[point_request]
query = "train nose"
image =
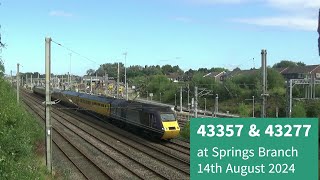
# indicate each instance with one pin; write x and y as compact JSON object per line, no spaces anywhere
{"x":171,"y":129}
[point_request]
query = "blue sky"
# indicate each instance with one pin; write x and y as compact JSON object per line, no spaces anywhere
{"x":188,"y":33}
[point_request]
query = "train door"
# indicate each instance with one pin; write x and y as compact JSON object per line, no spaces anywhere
{"x":152,"y":120}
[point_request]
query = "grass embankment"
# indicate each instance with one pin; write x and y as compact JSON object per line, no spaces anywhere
{"x":20,"y":139}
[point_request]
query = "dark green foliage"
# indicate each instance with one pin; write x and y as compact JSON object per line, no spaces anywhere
{"x":284,"y":64}
{"x":244,"y":111}
{"x":185,"y":132}
{"x":298,"y":110}
{"x":275,"y":79}
{"x":18,"y":134}
{"x":312,"y":108}
{"x":2,"y":69}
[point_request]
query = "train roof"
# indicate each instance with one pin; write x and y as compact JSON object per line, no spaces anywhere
{"x":89,"y":96}
{"x":115,"y":102}
{"x":139,"y":105}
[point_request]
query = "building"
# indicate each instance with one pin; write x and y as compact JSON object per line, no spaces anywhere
{"x":218,"y":76}
{"x":301,"y":72}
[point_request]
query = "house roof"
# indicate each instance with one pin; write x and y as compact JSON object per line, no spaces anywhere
{"x":214,"y":74}
{"x":300,"y":69}
{"x":241,"y":72}
{"x":280,"y":70}
{"x":173,"y":75}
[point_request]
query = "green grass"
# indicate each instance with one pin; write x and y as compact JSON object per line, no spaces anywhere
{"x":20,"y":136}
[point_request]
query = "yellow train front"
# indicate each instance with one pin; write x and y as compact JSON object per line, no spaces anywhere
{"x":151,"y":120}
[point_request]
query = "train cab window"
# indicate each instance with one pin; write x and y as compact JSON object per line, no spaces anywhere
{"x":167,"y":117}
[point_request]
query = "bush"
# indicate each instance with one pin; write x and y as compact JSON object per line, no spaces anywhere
{"x":185,"y":132}
{"x":298,"y":110}
{"x":312,"y":108}
{"x":243,"y":110}
{"x":19,"y":133}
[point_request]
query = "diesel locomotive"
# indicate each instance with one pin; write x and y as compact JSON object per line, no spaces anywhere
{"x":152,"y":120}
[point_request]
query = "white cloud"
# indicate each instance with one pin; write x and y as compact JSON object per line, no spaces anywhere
{"x":294,"y":4}
{"x":60,"y":14}
{"x":214,"y":2}
{"x":293,"y":14}
{"x":300,"y":23}
{"x":284,"y":4}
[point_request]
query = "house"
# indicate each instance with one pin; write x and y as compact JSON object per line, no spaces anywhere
{"x":216,"y":75}
{"x":237,"y":72}
{"x":297,"y":72}
{"x":301,"y":72}
{"x":280,"y":70}
{"x":174,"y":77}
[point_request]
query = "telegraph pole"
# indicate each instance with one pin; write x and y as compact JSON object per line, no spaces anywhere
{"x":290,"y":99}
{"x":91,"y":85}
{"x":70,"y":68}
{"x":180,"y":98}
{"x":18,"y":80}
{"x":253,"y":106}
{"x":188,"y":99}
{"x":125,"y":74}
{"x":38,"y":79}
{"x":48,"y":105}
{"x":216,"y":105}
{"x":205,"y":106}
{"x":31,"y":81}
{"x":264,"y":81}
{"x":118,"y":80}
{"x":11,"y":78}
{"x":69,"y":79}
{"x":175,"y":99}
{"x":195,"y":101}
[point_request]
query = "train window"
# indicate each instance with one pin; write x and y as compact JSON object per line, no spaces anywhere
{"x":167,"y":117}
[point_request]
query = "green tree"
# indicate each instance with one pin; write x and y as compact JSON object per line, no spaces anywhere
{"x":312,"y":108}
{"x":301,"y":63}
{"x":243,"y":110}
{"x":287,"y":63}
{"x":2,"y":69}
{"x":90,"y":72}
{"x":275,"y":79}
{"x":298,"y":110}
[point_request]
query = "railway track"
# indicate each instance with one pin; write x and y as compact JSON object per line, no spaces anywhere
{"x":82,"y":163}
{"x":171,"y":158}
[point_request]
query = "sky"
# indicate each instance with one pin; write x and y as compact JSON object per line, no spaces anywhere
{"x":188,"y":33}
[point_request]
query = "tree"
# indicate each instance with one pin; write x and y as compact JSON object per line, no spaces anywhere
{"x":275,"y":79}
{"x":298,"y":110}
{"x":301,"y":63}
{"x":312,"y":108}
{"x":243,"y":110}
{"x":90,"y":72}
{"x":2,"y":69}
{"x":218,"y":69}
{"x":287,"y":63}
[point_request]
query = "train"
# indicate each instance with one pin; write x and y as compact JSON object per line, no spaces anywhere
{"x":154,"y":121}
